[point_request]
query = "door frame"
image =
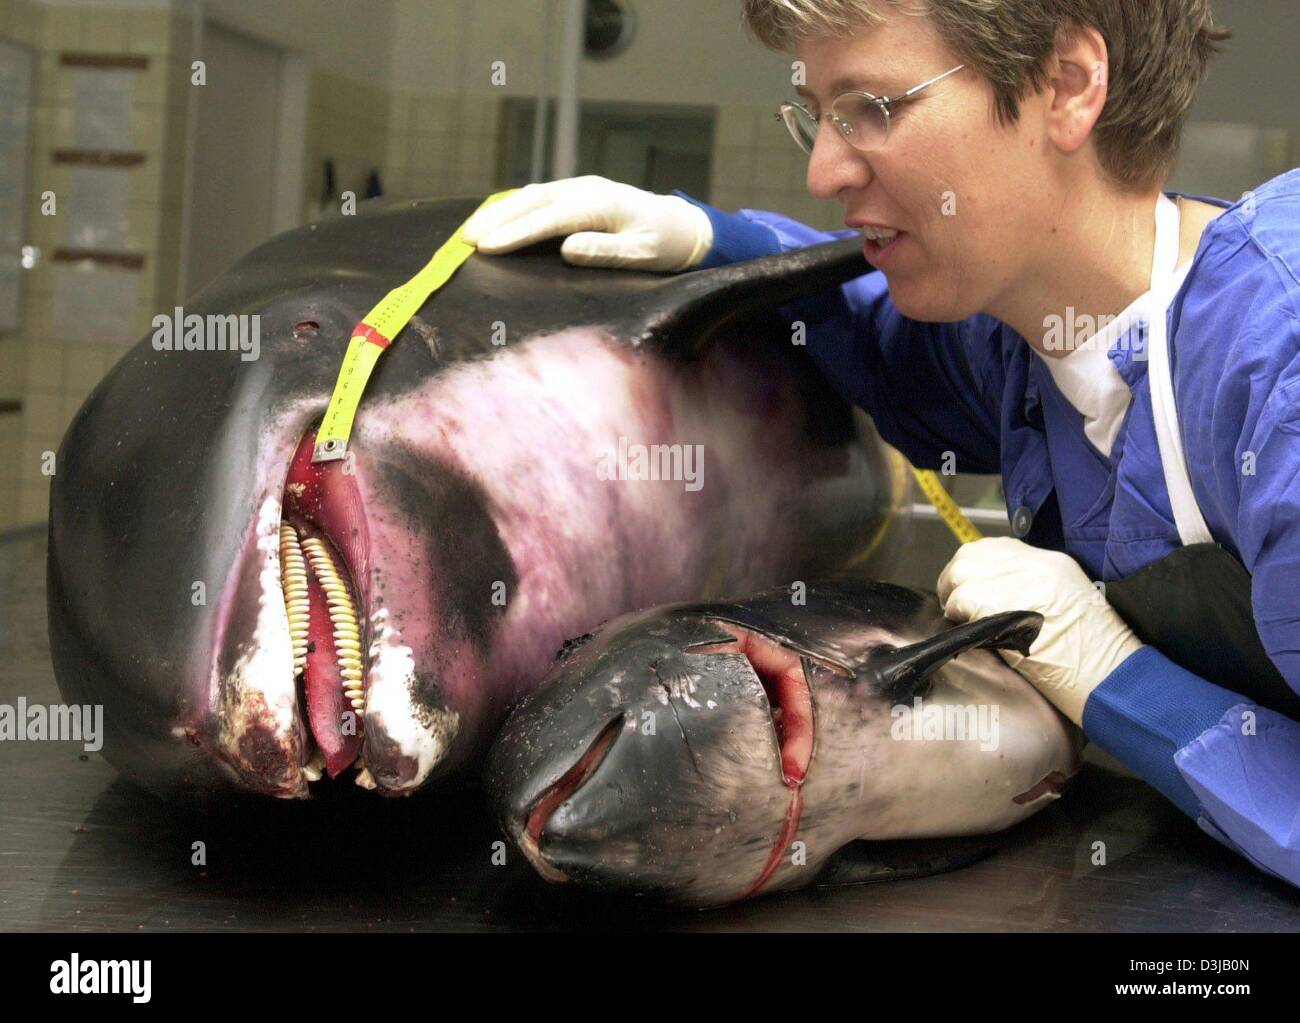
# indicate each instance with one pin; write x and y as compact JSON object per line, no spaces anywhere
{"x":288,"y":196}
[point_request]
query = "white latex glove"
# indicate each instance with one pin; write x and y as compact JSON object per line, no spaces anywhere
{"x":1083,"y":638}
{"x":607,"y":223}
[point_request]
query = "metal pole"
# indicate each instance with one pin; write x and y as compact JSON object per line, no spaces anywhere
{"x":566,"y":121}
{"x":537,"y":167}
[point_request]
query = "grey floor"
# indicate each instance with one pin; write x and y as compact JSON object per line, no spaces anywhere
{"x":82,"y":850}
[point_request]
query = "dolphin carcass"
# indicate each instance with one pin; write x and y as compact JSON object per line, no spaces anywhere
{"x":543,"y":448}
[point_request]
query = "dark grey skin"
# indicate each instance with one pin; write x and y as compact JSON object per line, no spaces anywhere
{"x":649,"y":761}
{"x":475,"y":472}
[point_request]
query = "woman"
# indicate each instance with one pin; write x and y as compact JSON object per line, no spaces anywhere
{"x":1129,"y":361}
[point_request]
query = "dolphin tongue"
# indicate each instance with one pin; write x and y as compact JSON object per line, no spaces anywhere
{"x":337,"y":735}
{"x":311,"y":508}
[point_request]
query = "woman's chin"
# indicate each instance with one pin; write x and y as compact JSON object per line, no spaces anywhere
{"x":919,"y":303}
{"x":928,"y":299}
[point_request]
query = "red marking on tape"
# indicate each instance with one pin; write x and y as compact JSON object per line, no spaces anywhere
{"x":370,"y":334}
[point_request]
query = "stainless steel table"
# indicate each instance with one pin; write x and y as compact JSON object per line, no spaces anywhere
{"x":82,"y":850}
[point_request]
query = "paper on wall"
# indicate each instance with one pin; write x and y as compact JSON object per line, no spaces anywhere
{"x":101,"y":104}
{"x":92,"y":302}
{"x":97,"y":214}
{"x":15,"y":119}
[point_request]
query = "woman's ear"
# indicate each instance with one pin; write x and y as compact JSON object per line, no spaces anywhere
{"x":1078,"y":73}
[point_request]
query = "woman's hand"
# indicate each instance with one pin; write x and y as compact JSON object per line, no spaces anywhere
{"x":1083,"y":638}
{"x":607,"y":223}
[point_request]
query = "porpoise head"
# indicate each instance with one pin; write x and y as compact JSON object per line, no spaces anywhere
{"x":706,"y":753}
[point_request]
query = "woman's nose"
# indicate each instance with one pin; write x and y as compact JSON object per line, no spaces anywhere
{"x":834,"y":165}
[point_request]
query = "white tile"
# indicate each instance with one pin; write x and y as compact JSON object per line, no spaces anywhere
{"x":733,"y":167}
{"x":148,"y":31}
{"x":104,"y":31}
{"x":43,"y":414}
{"x":33,"y":503}
{"x":63,"y":26}
{"x":772,"y":169}
{"x":734,"y":127}
{"x":44,"y":366}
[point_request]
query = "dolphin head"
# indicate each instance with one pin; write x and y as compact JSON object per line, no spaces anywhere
{"x":705,"y":753}
{"x":190,"y":533}
{"x":167,"y":564}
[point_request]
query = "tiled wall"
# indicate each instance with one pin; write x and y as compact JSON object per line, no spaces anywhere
{"x":20,"y":22}
{"x":53,"y":375}
{"x":347,"y":122}
{"x":442,"y":145}
{"x":449,"y":145}
{"x":757,"y":164}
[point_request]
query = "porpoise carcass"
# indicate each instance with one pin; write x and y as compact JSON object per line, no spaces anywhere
{"x":703,"y":753}
{"x":542,"y":448}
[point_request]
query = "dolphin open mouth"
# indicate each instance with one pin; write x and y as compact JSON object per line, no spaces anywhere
{"x":570,"y":782}
{"x":323,"y":545}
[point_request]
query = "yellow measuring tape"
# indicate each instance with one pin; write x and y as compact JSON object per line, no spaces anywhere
{"x":377,"y":331}
{"x":962,"y":527}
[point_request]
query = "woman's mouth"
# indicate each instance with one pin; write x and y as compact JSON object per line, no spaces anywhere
{"x":880,"y":243}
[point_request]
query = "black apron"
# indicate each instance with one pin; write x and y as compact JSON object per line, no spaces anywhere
{"x":1194,"y":607}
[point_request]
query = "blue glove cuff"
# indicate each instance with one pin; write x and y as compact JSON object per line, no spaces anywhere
{"x":735,"y":238}
{"x":1148,"y":709}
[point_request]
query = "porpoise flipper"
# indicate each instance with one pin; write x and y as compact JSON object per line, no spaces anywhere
{"x":869,"y":862}
{"x":842,"y":623}
{"x":900,"y":670}
{"x":684,"y":312}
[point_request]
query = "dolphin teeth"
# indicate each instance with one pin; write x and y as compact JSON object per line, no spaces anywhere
{"x":293,"y":580}
{"x":343,"y":615}
{"x":315,"y":766}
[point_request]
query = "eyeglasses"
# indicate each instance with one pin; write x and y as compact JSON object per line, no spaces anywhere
{"x":863,"y":119}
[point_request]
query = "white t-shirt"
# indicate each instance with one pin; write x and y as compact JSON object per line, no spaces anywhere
{"x":1090,"y":381}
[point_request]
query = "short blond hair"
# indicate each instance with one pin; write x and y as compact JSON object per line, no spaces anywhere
{"x":1159,"y":51}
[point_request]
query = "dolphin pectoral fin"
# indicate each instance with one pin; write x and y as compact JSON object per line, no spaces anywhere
{"x":900,"y":670}
{"x":867,"y":862}
{"x":686,"y":311}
